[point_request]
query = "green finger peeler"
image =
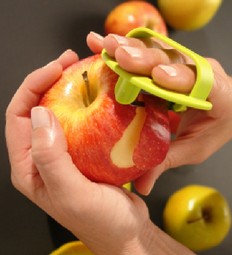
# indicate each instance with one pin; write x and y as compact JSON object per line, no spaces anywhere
{"x":129,"y":85}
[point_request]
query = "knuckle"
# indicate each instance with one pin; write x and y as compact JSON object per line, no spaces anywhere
{"x":17,"y":182}
{"x":14,"y":182}
{"x":213,"y":62}
{"x":200,"y":156}
{"x":43,"y":155}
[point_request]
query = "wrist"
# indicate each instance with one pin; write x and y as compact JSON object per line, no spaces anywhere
{"x":153,"y":241}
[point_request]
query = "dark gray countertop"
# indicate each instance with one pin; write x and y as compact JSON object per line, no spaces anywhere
{"x":35,"y":32}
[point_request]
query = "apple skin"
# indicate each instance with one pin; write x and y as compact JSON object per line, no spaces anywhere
{"x":72,"y":247}
{"x":174,"y":121}
{"x":93,"y":131}
{"x":132,"y":14}
{"x":197,"y":216}
{"x":188,"y":17}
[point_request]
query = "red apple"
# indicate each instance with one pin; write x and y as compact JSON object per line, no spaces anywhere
{"x":174,"y":121}
{"x":108,"y":142}
{"x":132,"y":14}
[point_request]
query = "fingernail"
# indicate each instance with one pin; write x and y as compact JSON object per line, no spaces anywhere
{"x":65,"y":52}
{"x":50,"y":63}
{"x":132,"y":51}
{"x":122,"y":40}
{"x":96,"y":35}
{"x":62,"y":55}
{"x":169,"y":70}
{"x":40,"y":117}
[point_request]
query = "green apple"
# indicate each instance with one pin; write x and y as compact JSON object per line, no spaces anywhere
{"x":127,"y":186}
{"x":72,"y":248}
{"x":197,"y":216}
{"x":188,"y":15}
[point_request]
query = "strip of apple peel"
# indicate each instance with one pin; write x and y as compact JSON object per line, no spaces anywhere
{"x":122,"y":152}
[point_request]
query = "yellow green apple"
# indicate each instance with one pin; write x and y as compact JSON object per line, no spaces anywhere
{"x":108,"y":142}
{"x":72,"y":248}
{"x":197,"y":216}
{"x":127,"y":186}
{"x":188,"y":15}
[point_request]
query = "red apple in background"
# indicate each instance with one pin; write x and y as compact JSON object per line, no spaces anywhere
{"x":108,"y":142}
{"x":132,"y":14}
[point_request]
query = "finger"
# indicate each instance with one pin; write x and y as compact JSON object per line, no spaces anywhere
{"x":50,"y":155}
{"x":140,"y":60}
{"x":221,"y":87}
{"x":95,"y":42}
{"x":67,"y":58}
{"x":36,"y":83}
{"x":18,"y":124}
{"x":157,"y":63}
{"x":112,"y":41}
{"x":180,"y":153}
{"x":145,"y":183}
{"x":175,"y":77}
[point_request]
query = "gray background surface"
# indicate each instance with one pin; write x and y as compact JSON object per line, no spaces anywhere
{"x":32,"y":33}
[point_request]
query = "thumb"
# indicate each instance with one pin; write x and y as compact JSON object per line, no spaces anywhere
{"x":50,"y":153}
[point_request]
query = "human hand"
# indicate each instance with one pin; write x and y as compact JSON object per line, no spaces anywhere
{"x":109,"y":220}
{"x":200,"y":133}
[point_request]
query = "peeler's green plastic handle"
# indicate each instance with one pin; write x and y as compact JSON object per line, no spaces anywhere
{"x":129,"y":85}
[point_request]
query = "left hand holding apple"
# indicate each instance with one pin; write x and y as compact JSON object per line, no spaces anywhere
{"x":42,"y":170}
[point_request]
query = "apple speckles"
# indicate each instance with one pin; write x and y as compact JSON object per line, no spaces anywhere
{"x":108,"y":142}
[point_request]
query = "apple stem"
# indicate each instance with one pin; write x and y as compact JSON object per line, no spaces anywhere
{"x":86,"y":80}
{"x":206,"y":216}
